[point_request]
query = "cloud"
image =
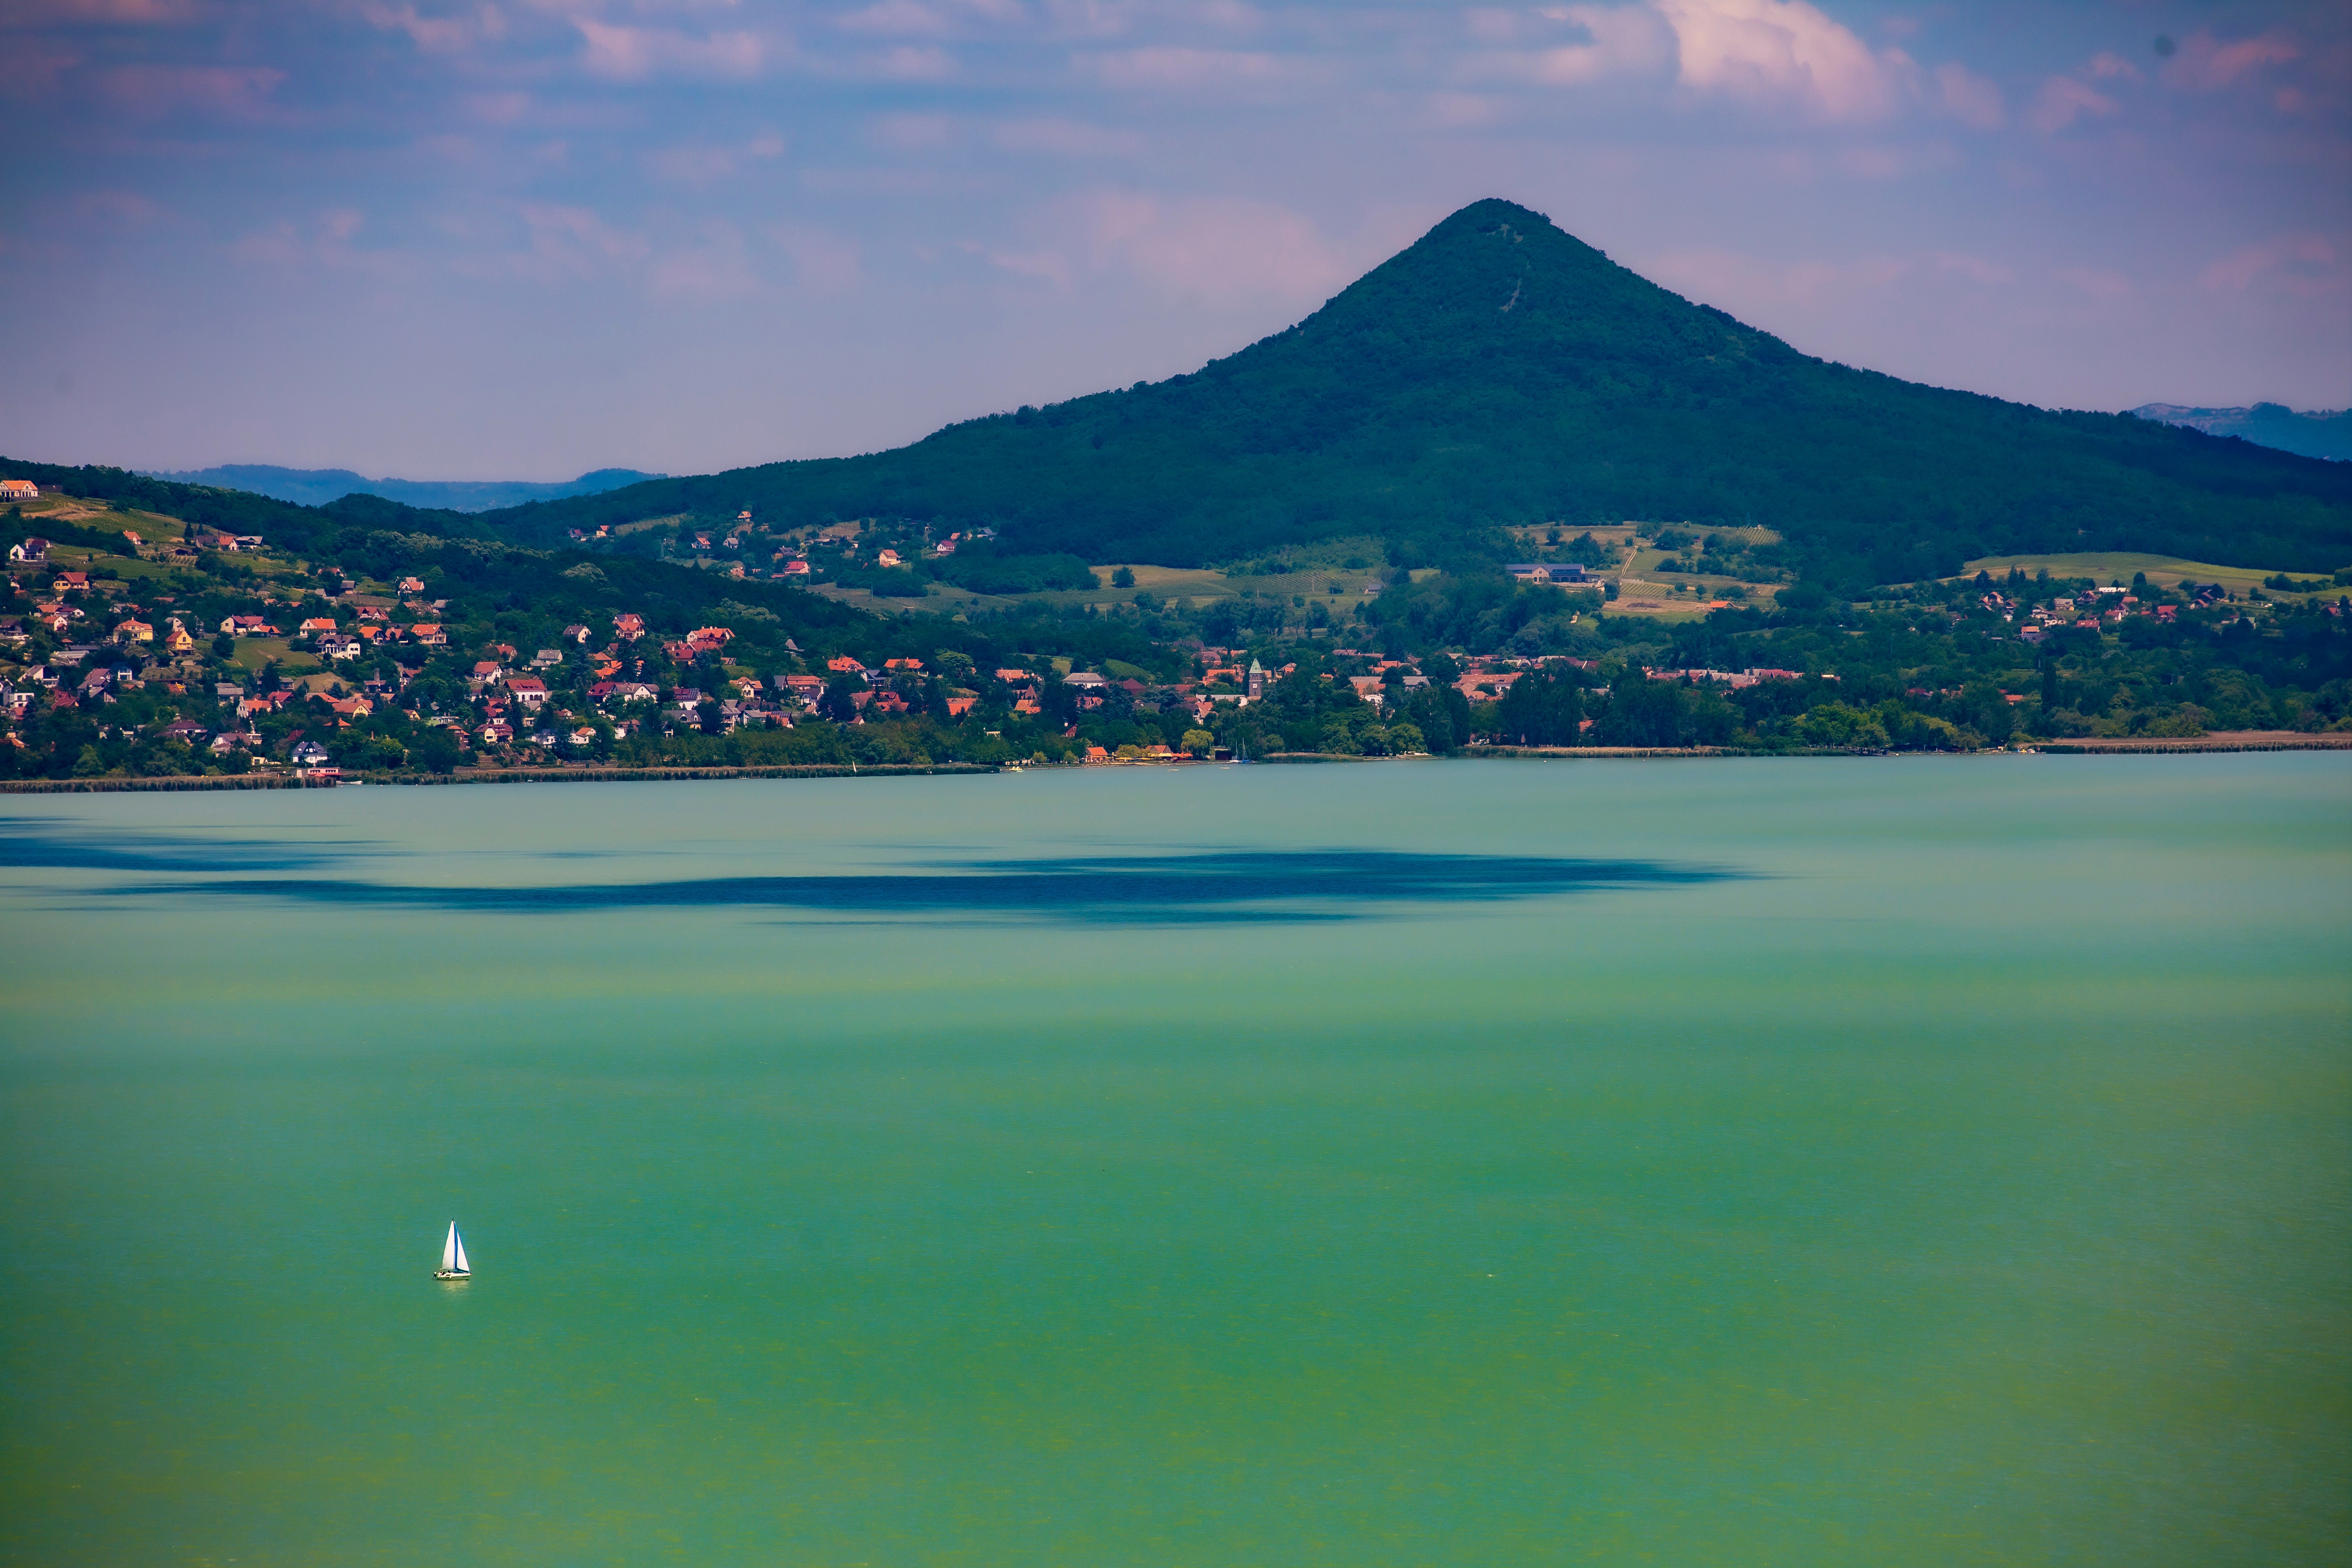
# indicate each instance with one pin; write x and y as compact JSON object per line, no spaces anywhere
{"x":124,"y":210}
{"x":1783,"y":52}
{"x":574,"y":242}
{"x":1976,"y":269}
{"x":1067,"y":138}
{"x":2101,"y":283}
{"x":713,"y":270}
{"x":228,"y":92}
{"x":1968,"y":98}
{"x":31,"y":14}
{"x":913,"y":131}
{"x":2061,"y":101}
{"x":2205,"y":64}
{"x":633,"y":53}
{"x":324,"y":241}
{"x":1608,"y":41}
{"x":909,"y":63}
{"x":902,"y":18}
{"x":1046,"y":266}
{"x":1219,"y":250}
{"x":913,"y":19}
{"x":1180,"y":69}
{"x":498,"y":108}
{"x":439,"y":35}
{"x":2106,"y":64}
{"x":823,"y":259}
{"x":1752,"y":282}
{"x":704,"y":165}
{"x":2299,"y":264}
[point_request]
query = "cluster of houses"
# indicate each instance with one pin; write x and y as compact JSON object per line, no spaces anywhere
{"x":2101,"y":609}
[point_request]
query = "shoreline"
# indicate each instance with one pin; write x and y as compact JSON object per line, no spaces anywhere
{"x":2231,"y":740}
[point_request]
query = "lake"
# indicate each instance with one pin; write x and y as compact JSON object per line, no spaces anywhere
{"x":1804,"y":1162}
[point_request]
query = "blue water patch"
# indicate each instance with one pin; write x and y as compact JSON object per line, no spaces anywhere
{"x":38,"y":844}
{"x":1220,"y":886}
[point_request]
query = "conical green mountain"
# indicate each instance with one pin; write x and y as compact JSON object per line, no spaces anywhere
{"x":1499,"y":370}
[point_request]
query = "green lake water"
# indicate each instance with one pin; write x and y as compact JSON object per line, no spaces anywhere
{"x":1826,"y":1162}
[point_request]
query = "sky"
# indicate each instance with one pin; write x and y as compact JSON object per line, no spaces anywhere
{"x":523,"y":238}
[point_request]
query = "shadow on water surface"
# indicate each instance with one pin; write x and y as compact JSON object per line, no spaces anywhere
{"x":1214,"y":886}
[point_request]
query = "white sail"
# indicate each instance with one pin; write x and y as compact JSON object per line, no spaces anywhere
{"x":459,"y":1242}
{"x":451,"y":1251}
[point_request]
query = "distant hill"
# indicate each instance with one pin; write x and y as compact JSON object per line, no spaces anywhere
{"x":317,"y":487}
{"x":1499,"y":370}
{"x":2326,"y":433}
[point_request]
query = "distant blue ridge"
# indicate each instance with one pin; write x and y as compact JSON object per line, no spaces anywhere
{"x":317,"y":487}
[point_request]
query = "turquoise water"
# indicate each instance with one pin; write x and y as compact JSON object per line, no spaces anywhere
{"x":1901,"y":1161}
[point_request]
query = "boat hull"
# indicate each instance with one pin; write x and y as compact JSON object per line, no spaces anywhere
{"x":451,"y":1274}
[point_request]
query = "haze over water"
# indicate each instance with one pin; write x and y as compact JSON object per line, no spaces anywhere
{"x":1931,"y":1161}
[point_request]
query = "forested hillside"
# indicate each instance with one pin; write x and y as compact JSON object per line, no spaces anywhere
{"x":1501,"y":372}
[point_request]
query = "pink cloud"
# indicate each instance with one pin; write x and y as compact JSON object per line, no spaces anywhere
{"x":126,"y":208}
{"x":2063,"y":100}
{"x":1180,"y":69}
{"x":2099,"y":282}
{"x":1968,"y":98}
{"x":2302,"y":264}
{"x":2205,"y":64}
{"x":633,"y":53}
{"x":437,"y":35}
{"x":1222,"y":250}
{"x":225,"y":91}
{"x":1784,"y":51}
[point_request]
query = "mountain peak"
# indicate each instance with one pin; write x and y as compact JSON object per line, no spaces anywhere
{"x":1500,"y":371}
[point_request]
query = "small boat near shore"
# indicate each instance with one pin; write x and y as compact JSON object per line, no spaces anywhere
{"x":453,"y":1257}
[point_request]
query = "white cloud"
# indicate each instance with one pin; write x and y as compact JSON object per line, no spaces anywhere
{"x":2101,"y":283}
{"x":229,"y":92}
{"x":574,"y":242}
{"x":2063,"y":100}
{"x":1067,"y":138}
{"x":1976,"y":269}
{"x":705,"y":164}
{"x":324,"y":241}
{"x":911,"y":62}
{"x":2302,"y":264}
{"x":1219,"y":250}
{"x":2206,"y":64}
{"x":1174,"y":69}
{"x":1571,"y":45}
{"x":1741,"y":283}
{"x":823,"y":259}
{"x":913,"y":131}
{"x":1784,"y":51}
{"x":439,"y":35}
{"x":899,"y":18}
{"x":632,"y":54}
{"x":1968,"y":98}
{"x":714,"y":269}
{"x":1045,"y":266}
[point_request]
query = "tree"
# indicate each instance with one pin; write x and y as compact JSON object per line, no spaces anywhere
{"x":1199,"y":743}
{"x":1123,"y":578}
{"x":1541,"y":709}
{"x":435,"y":751}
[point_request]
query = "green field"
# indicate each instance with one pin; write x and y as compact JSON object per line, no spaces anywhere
{"x":252,"y":653}
{"x":2119,"y":565}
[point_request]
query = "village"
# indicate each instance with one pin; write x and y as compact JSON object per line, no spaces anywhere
{"x":207,"y":651}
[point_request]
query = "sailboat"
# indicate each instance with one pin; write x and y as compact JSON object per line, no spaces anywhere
{"x":453,"y":1257}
